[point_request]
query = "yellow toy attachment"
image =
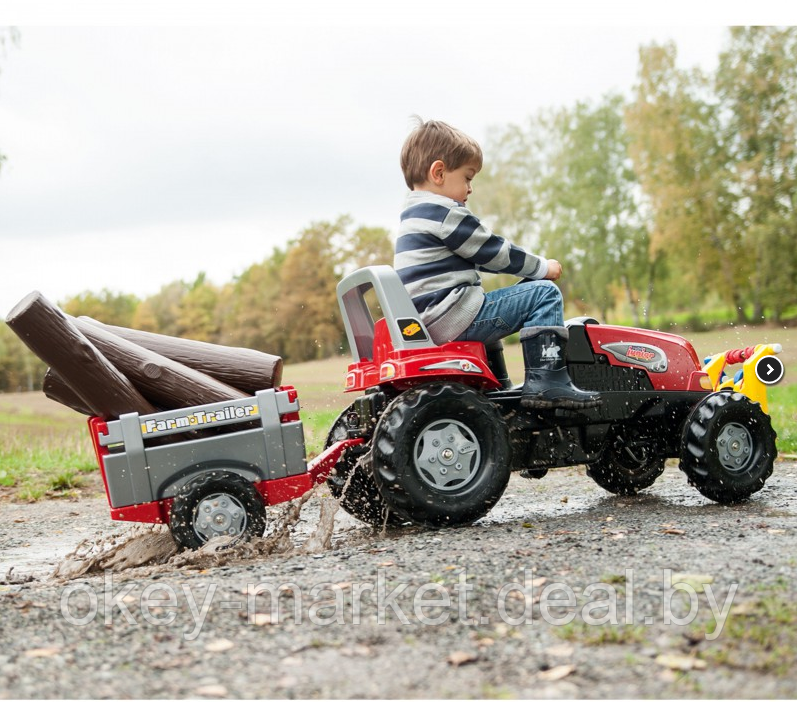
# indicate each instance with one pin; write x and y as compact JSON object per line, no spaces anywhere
{"x":745,"y":381}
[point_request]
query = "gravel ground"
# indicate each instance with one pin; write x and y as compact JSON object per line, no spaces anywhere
{"x":348,"y":621}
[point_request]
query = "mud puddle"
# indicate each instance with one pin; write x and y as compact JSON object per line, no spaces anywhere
{"x":311,"y":524}
{"x":77,"y":539}
{"x":303,"y":526}
{"x":35,"y":537}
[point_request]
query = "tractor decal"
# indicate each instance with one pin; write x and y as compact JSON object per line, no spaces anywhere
{"x":650,"y":357}
{"x":198,"y":418}
{"x":411,"y":330}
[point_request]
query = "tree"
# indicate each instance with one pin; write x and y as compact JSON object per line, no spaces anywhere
{"x":20,"y":369}
{"x":507,"y":189}
{"x":160,"y":313}
{"x":307,"y":309}
{"x":590,"y":199}
{"x":196,"y":312}
{"x":683,"y":167}
{"x":562,"y":185}
{"x":106,"y":306}
{"x":756,"y":82}
{"x":507,"y":192}
{"x":365,"y":246}
{"x":249,"y":306}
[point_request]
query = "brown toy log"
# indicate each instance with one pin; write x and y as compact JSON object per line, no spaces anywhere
{"x":161,"y":380}
{"x":47,"y":331}
{"x":56,"y":388}
{"x":246,"y":369}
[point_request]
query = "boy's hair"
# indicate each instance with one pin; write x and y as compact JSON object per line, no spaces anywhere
{"x":432,"y":141}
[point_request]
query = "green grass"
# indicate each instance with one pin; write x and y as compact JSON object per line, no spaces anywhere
{"x":598,"y":635}
{"x":321,"y":396}
{"x":759,"y":634}
{"x":54,"y":463}
{"x":317,"y":424}
{"x":689,"y":321}
{"x":782,"y":401}
{"x":44,"y":447}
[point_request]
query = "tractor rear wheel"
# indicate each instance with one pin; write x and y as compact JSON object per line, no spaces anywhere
{"x":728,"y":447}
{"x":441,"y":455}
{"x":628,"y":463}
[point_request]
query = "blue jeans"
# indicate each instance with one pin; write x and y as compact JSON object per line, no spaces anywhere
{"x":531,"y":303}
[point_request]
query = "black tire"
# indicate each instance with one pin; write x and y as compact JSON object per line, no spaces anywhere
{"x":352,"y":481}
{"x":412,"y":472}
{"x":236,"y":507}
{"x":628,"y":463}
{"x":728,"y":447}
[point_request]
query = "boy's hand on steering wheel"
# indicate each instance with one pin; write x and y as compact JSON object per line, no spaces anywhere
{"x":554,"y":269}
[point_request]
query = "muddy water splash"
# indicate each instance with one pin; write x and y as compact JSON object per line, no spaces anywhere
{"x":149,"y":549}
{"x":142,"y":545}
{"x":321,"y":539}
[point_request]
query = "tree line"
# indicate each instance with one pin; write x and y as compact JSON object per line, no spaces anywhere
{"x":284,"y":305}
{"x":678,"y":196}
{"x":682,"y":195}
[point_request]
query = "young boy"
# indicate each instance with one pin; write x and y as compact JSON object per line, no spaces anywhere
{"x":441,"y":248}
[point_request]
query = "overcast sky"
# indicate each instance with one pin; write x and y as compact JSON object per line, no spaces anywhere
{"x":138,"y":155}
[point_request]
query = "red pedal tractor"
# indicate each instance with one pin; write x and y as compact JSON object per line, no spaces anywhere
{"x":442,"y":434}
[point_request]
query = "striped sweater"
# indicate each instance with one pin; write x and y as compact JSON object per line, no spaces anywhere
{"x":440,"y":249}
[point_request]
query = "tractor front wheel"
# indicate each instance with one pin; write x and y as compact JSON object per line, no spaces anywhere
{"x":441,"y":455}
{"x":728,"y":447}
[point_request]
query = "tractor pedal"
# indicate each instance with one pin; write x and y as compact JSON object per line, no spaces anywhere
{"x":533,"y":473}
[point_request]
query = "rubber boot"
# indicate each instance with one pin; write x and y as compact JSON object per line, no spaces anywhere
{"x":548,"y":383}
{"x":497,"y":363}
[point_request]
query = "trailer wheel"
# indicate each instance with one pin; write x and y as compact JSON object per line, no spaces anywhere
{"x":728,"y":447}
{"x":441,"y":455}
{"x":352,"y":481}
{"x":628,"y":463}
{"x":216,"y":503}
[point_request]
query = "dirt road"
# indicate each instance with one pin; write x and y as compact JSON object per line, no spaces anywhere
{"x":562,"y":591}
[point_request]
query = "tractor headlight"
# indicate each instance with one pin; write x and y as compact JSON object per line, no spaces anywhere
{"x":387,"y":371}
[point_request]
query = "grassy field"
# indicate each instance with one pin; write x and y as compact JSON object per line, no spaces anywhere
{"x":45,"y":448}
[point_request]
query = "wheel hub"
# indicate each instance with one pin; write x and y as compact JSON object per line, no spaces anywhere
{"x":219,"y":514}
{"x":447,"y":455}
{"x":735,"y":447}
